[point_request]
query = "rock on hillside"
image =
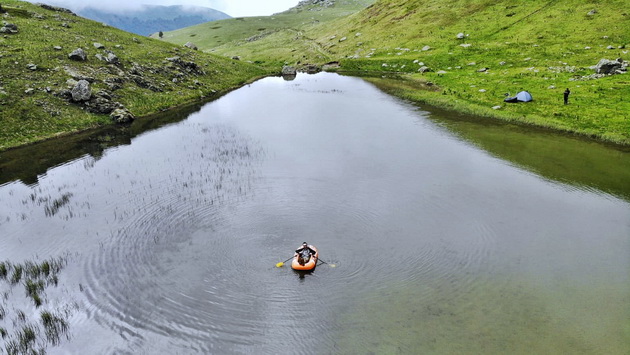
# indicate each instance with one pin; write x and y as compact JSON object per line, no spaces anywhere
{"x":60,"y":72}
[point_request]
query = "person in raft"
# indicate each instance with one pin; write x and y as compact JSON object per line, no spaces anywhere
{"x":304,"y":253}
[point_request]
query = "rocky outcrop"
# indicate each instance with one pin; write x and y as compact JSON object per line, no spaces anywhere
{"x":78,"y":55}
{"x":314,"y":3}
{"x":607,"y":66}
{"x":189,"y":67}
{"x":112,"y":58}
{"x":9,"y":28}
{"x":56,"y":9}
{"x":81,"y":91}
{"x":289,"y":70}
{"x":311,"y":68}
{"x":102,"y":103}
{"x":191,"y":45}
{"x":122,"y":115}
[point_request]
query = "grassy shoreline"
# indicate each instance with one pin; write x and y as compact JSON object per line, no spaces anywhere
{"x":417,"y":91}
{"x":467,"y":55}
{"x":149,"y":115}
{"x":147,"y":76}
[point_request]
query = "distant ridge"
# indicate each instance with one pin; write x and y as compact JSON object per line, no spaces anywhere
{"x":154,"y":18}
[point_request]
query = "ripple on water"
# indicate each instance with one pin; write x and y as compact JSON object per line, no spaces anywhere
{"x":145,"y":276}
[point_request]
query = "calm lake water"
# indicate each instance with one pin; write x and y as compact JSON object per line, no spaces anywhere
{"x":448,"y":235}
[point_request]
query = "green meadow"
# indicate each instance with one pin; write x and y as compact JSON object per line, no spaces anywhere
{"x":543,"y":47}
{"x":31,"y":108}
{"x":268,"y":40}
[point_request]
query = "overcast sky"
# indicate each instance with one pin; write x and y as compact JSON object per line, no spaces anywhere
{"x":234,"y":8}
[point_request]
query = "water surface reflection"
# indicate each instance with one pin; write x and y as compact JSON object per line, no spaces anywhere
{"x":440,"y":246}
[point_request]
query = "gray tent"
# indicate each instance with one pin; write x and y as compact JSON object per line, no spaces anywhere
{"x":522,"y":96}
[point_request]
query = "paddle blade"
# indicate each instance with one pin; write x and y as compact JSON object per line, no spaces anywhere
{"x":280,"y":264}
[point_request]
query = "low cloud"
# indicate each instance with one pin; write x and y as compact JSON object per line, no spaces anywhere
{"x":235,"y":8}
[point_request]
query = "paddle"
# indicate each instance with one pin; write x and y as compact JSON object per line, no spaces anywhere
{"x":331,"y":265}
{"x":280,"y":264}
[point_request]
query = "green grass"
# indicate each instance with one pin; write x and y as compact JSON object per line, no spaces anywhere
{"x":537,"y":45}
{"x":31,"y":110}
{"x":267,"y":40}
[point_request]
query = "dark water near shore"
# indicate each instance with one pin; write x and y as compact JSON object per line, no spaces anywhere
{"x":449,"y":235}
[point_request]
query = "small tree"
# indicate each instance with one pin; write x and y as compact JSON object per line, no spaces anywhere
{"x":161,"y":34}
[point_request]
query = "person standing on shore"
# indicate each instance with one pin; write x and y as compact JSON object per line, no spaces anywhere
{"x":566,"y":96}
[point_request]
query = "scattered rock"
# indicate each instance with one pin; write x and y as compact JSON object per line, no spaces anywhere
{"x":78,"y":54}
{"x":607,"y":66}
{"x":342,"y":39}
{"x":9,"y":28}
{"x":81,"y":91}
{"x":236,"y":57}
{"x":311,"y":68}
{"x":592,"y":12}
{"x":465,"y":45}
{"x":70,"y":83}
{"x":57,"y":48}
{"x":29,"y":91}
{"x":496,"y":107}
{"x":610,"y":47}
{"x":426,"y":48}
{"x":191,"y":45}
{"x":482,"y":90}
{"x":461,"y":35}
{"x":56,"y":9}
{"x":331,"y":65}
{"x":101,"y":103}
{"x":31,"y":66}
{"x":76,"y":75}
{"x":112,"y":58}
{"x":121,"y":115}
{"x":98,"y":45}
{"x":483,"y":70}
{"x":424,"y":69}
{"x":288,"y":70}
{"x":189,"y":67}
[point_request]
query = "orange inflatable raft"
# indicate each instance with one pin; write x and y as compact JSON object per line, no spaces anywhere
{"x":310,"y":265}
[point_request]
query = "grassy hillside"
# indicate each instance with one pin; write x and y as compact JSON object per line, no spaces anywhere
{"x":507,"y":46}
{"x":269,"y":40}
{"x":149,"y":76}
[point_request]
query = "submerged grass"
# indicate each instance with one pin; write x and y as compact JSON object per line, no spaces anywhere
{"x":20,"y":335}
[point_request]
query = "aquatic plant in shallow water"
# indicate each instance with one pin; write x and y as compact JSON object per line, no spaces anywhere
{"x":20,"y":334}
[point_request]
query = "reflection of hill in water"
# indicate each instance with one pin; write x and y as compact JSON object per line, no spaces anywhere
{"x":558,"y":157}
{"x":29,"y":162}
{"x":563,"y":158}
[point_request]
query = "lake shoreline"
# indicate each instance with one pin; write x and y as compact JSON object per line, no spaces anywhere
{"x":416,"y":91}
{"x":423,"y":92}
{"x":142,"y":117}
